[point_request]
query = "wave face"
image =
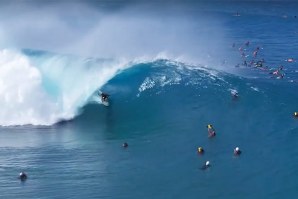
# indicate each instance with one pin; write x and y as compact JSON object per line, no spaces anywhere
{"x":172,"y":93}
{"x":42,"y":88}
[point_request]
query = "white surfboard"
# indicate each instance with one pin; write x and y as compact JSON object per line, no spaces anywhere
{"x":105,"y":103}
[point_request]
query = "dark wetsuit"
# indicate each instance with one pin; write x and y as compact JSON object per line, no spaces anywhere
{"x":125,"y":145}
{"x":23,"y":176}
{"x":104,"y":97}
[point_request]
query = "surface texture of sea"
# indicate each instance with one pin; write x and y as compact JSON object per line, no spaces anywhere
{"x":161,"y":108}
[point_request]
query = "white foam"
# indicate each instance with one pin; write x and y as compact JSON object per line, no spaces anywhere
{"x":22,"y":98}
{"x":25,"y":97}
{"x":147,"y":84}
{"x":255,"y":88}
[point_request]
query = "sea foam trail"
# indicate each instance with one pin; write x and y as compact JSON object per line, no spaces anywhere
{"x":45,"y":88}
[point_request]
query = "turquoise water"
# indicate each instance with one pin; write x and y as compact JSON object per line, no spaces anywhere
{"x":160,"y":107}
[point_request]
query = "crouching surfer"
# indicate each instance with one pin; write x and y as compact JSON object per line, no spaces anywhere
{"x":104,"y":97}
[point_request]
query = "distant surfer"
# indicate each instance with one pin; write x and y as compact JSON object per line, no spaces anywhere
{"x":237,"y":14}
{"x":234,"y":94}
{"x":244,"y":63}
{"x":23,"y":176}
{"x":255,"y":52}
{"x":125,"y":145}
{"x":290,"y":60}
{"x":206,"y":165}
{"x":259,"y":64}
{"x":243,"y":55}
{"x":251,"y":63}
{"x":211,"y":131}
{"x":295,"y":114}
{"x":201,"y":150}
{"x":278,"y":72}
{"x":246,"y":43}
{"x":237,"y":151}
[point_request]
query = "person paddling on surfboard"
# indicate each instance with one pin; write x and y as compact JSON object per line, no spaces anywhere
{"x":211,"y":131}
{"x":234,"y":94}
{"x":206,"y":165}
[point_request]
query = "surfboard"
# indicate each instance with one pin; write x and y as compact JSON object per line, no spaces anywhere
{"x":105,"y":103}
{"x":99,"y":101}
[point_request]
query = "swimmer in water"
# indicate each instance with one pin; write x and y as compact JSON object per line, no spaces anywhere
{"x":255,"y":53}
{"x":23,"y":176}
{"x":200,"y":150}
{"x":247,"y":43}
{"x":237,"y":151}
{"x":211,"y":131}
{"x":290,"y":60}
{"x":234,"y":94}
{"x":244,"y":63}
{"x":125,"y":145}
{"x":206,"y":165}
{"x":278,"y":72}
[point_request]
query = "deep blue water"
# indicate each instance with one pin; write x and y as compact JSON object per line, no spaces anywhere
{"x":161,"y":107}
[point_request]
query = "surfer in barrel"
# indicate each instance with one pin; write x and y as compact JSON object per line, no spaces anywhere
{"x":104,"y":97}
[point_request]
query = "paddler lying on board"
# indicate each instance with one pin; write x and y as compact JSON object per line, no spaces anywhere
{"x":211,"y":131}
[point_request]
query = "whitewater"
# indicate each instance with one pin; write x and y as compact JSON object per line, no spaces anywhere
{"x":48,"y":88}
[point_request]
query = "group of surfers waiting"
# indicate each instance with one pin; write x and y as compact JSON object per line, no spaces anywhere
{"x":211,"y":134}
{"x":259,"y":62}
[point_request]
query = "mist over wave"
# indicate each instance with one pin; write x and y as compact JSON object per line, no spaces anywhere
{"x":115,"y":30}
{"x":92,"y":42}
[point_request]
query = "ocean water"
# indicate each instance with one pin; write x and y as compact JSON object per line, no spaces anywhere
{"x":169,"y":68}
